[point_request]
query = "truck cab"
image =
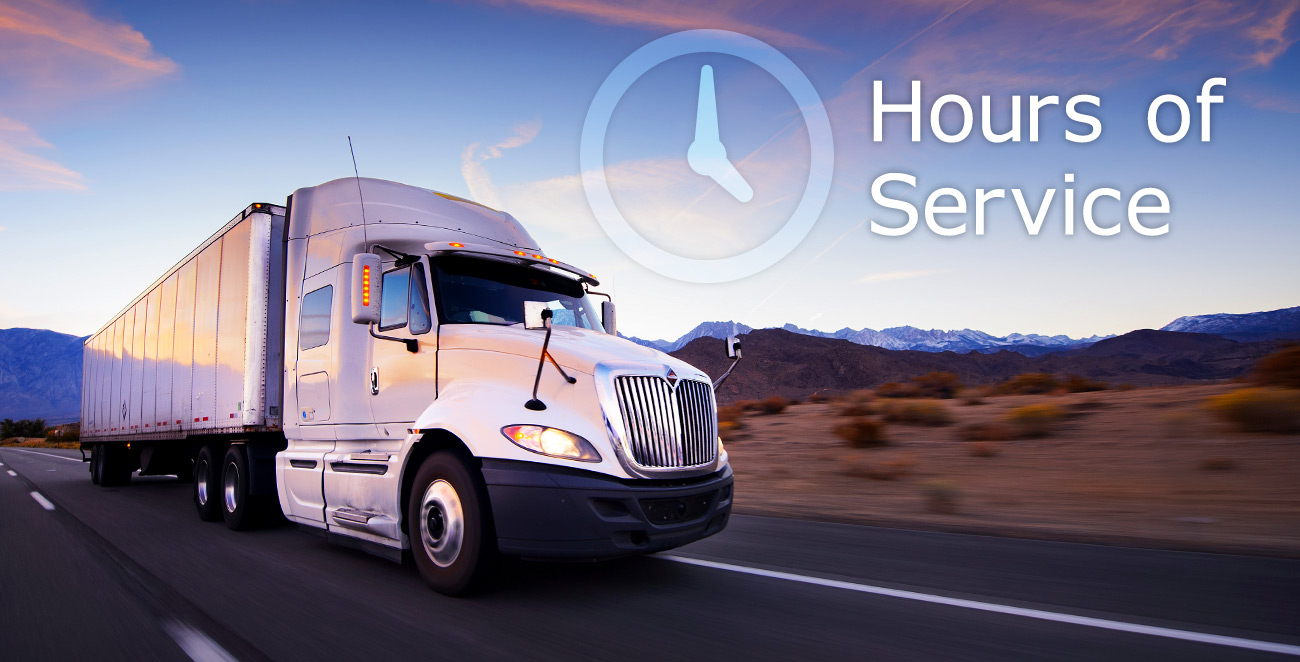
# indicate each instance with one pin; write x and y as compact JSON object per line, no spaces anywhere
{"x":452,"y":391}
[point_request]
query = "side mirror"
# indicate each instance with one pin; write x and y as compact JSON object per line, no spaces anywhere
{"x":365,"y":288}
{"x":608,"y":318}
{"x":733,"y":347}
{"x":535,"y":314}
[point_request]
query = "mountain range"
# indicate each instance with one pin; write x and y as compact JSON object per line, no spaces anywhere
{"x":40,"y":370}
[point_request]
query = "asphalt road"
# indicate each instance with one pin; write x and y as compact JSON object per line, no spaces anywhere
{"x":131,"y":573}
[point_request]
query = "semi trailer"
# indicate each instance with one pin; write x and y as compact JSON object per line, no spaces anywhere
{"x":408,"y":372}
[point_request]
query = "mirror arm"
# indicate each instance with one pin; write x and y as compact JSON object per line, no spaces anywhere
{"x":726,"y":374}
{"x":600,"y":294}
{"x":412,"y":345}
{"x":534,"y":404}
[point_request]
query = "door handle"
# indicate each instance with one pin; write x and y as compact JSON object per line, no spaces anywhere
{"x":374,"y":381}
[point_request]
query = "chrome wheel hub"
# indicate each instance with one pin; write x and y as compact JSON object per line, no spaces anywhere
{"x":231,"y":481}
{"x":442,"y":523}
{"x":201,"y":483}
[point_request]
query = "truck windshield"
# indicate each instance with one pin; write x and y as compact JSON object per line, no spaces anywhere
{"x":472,"y":290}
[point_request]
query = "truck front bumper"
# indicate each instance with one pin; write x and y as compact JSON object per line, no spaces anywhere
{"x":545,"y":511}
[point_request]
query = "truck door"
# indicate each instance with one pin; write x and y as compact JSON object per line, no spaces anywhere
{"x":363,"y":473}
{"x":301,"y":465}
{"x":403,"y":383}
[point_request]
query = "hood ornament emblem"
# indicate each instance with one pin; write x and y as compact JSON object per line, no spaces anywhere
{"x":672,"y":378}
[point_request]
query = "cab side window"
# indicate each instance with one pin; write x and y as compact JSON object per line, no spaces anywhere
{"x":421,"y":320}
{"x":404,"y":300}
{"x":314,"y":318}
{"x":394,"y":298}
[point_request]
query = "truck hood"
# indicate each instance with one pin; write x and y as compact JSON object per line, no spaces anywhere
{"x":574,"y":348}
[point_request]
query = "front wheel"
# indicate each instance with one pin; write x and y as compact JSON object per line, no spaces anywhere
{"x":447,"y":524}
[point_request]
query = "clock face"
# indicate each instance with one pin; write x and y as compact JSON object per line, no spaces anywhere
{"x":706,"y":156}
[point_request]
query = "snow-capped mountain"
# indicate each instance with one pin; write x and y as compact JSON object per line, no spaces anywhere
{"x":1267,"y":325}
{"x":899,"y":337}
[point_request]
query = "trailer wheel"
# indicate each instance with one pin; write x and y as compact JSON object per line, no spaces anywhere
{"x":207,"y":481}
{"x":236,"y":504}
{"x":114,"y":465}
{"x":447,"y":526}
{"x":96,"y":460}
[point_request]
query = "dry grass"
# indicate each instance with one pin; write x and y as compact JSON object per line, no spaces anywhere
{"x":41,"y":442}
{"x":919,"y":412}
{"x":1030,"y":383}
{"x":1257,"y":409}
{"x":1109,"y":472}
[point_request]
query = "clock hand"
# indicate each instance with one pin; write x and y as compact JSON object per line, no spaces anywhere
{"x":706,"y":113}
{"x":730,"y":179}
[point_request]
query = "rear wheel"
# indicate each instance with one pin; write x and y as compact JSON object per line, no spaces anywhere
{"x":236,"y":505}
{"x":446,"y":523}
{"x":114,"y":465}
{"x":96,"y":460}
{"x":206,"y":484}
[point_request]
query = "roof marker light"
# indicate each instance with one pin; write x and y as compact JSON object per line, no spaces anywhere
{"x":553,"y":260}
{"x":521,"y":253}
{"x":456,"y":245}
{"x":538,"y":256}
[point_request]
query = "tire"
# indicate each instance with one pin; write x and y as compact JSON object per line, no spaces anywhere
{"x":96,"y":460}
{"x":448,"y":525}
{"x":207,"y":484}
{"x":236,"y":505}
{"x":114,"y":465}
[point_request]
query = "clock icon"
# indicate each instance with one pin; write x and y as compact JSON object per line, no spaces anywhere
{"x":707,"y":155}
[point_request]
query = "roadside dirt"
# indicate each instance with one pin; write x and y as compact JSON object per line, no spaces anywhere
{"x":1148,"y":467}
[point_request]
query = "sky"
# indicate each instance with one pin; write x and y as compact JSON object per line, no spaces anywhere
{"x":129,"y":131}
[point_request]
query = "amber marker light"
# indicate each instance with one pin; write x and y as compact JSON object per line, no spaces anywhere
{"x":456,"y":245}
{"x":365,"y":285}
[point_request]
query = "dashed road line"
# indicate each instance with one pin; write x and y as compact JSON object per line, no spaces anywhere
{"x":11,"y":473}
{"x":197,"y":645}
{"x":40,"y":498}
{"x":1040,"y":614}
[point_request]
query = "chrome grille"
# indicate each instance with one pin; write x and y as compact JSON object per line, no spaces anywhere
{"x":668,"y":428}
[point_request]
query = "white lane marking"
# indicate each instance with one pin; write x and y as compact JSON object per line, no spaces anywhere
{"x":1121,"y":626}
{"x":2,"y":464}
{"x":197,"y":645}
{"x":61,"y":457}
{"x":40,"y":498}
{"x":11,"y":473}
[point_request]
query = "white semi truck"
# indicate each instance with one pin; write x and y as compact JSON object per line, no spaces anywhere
{"x":408,"y":372}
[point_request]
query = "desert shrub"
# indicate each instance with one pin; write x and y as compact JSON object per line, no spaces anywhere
{"x":1218,"y":464}
{"x":940,"y":496}
{"x":1281,"y":368}
{"x":920,"y":412}
{"x":862,"y":433}
{"x":749,"y":405}
{"x":1029,"y":383}
{"x":987,"y":432}
{"x":730,"y":430}
{"x":937,"y":385}
{"x":731,"y":413}
{"x":1080,"y":384}
{"x":1035,"y":420}
{"x":984,"y":449}
{"x":1259,"y":409}
{"x":773,"y":405}
{"x":896,"y":390}
{"x":973,"y":400}
{"x":819,"y":398}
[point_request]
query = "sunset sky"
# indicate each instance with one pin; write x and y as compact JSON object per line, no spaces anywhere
{"x":130,"y":131}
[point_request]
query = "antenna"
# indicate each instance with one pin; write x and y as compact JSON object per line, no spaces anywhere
{"x":364,"y":239}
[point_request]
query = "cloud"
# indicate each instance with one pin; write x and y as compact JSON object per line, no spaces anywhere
{"x":21,"y":170}
{"x":890,"y":276}
{"x":672,"y":15}
{"x":477,"y":179}
{"x":53,"y":55}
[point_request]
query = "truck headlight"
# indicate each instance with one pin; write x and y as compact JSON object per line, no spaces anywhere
{"x":551,"y":441}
